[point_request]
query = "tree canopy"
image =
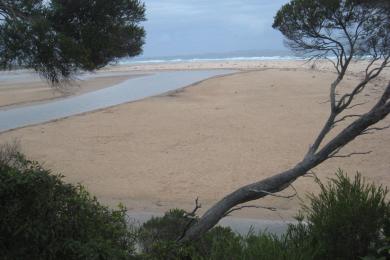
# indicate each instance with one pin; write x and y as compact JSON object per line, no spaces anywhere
{"x":60,"y":37}
{"x":336,"y":28}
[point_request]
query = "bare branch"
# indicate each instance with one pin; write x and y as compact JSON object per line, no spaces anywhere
{"x":196,"y":208}
{"x":350,"y":154}
{"x":272,"y":194}
{"x":335,"y":152}
{"x":373,"y":60}
{"x":279,"y":182}
{"x":192,"y":216}
{"x":325,"y":130}
{"x":377,"y":128}
{"x":249,"y":206}
{"x":356,"y":105}
{"x":347,"y":99}
{"x":329,"y":125}
{"x":335,"y":65}
{"x":347,"y":33}
{"x":346,"y":117}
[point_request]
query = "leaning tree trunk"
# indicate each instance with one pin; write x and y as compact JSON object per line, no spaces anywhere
{"x":282,"y":180}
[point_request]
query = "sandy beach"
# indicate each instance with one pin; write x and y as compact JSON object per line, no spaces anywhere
{"x":202,"y":141}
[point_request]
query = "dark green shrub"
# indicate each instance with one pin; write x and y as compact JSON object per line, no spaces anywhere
{"x":381,"y":249}
{"x":41,"y":217}
{"x":347,"y":218}
{"x":293,"y":245}
{"x":158,"y":236}
{"x":219,"y":243}
{"x":262,"y":246}
{"x":163,"y":230}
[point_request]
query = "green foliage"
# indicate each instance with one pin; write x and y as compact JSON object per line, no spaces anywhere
{"x":158,"y":230}
{"x":158,"y":239}
{"x":324,"y":28}
{"x":347,"y":218}
{"x":41,"y":217}
{"x":63,"y":36}
{"x":220,"y":243}
{"x":262,"y":246}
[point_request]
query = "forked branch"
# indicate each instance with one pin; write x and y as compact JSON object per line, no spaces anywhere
{"x":355,"y":29}
{"x":279,"y":182}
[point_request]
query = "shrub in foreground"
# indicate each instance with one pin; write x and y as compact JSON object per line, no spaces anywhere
{"x":158,"y":239}
{"x":41,"y":217}
{"x":348,"y":218}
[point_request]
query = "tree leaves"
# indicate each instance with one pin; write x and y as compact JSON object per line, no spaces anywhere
{"x":355,"y":27}
{"x":64,"y":36}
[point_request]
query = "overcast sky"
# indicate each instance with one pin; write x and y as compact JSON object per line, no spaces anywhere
{"x":185,"y":27}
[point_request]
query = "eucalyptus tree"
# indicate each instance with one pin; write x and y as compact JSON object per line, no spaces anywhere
{"x":57,"y":38}
{"x":340,"y":31}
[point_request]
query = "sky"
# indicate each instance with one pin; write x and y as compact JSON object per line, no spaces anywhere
{"x":189,"y":27}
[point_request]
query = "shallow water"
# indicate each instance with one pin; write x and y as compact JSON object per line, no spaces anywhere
{"x":129,"y":90}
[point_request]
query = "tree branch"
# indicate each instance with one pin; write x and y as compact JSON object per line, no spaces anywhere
{"x":192,"y":216}
{"x":282,"y":180}
{"x":318,"y":35}
{"x":350,"y":154}
{"x":376,"y":129}
{"x":272,"y":194}
{"x":249,"y":206}
{"x":347,"y":99}
{"x":346,"y":117}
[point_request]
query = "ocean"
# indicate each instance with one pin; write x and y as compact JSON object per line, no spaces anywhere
{"x":228,"y":56}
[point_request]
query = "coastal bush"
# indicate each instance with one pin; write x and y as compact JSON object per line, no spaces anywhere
{"x":41,"y":217}
{"x":166,"y":228}
{"x":158,"y":239}
{"x":262,"y":246}
{"x":347,"y":218}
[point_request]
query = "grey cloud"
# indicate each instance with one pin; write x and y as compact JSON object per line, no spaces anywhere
{"x":176,"y":27}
